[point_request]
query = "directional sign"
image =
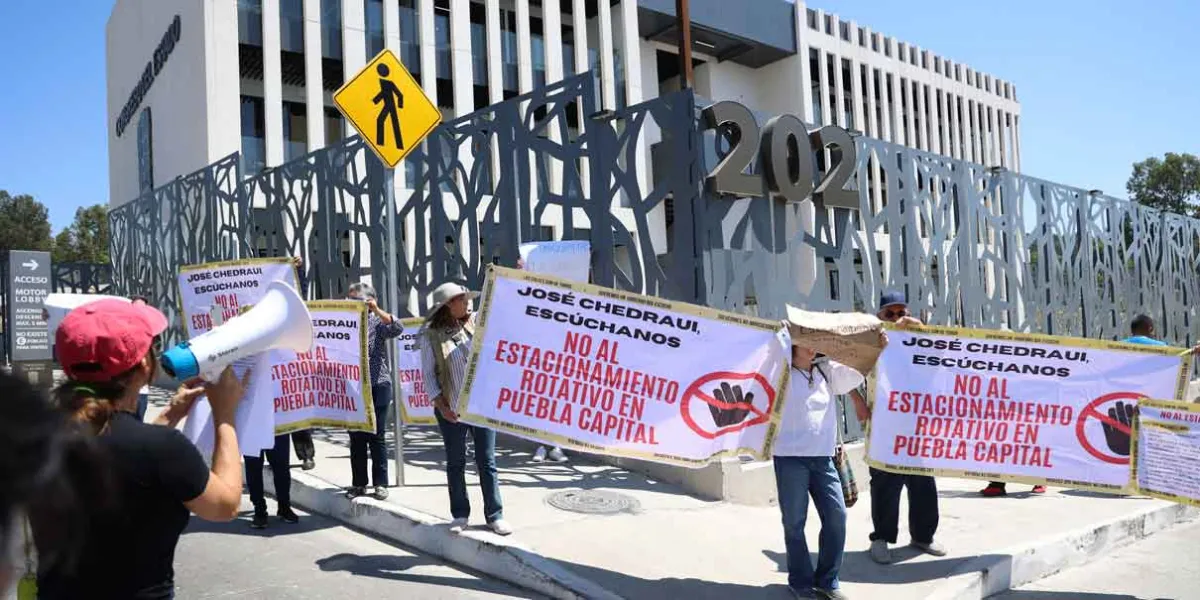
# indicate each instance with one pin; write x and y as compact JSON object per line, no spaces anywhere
{"x":29,"y":284}
{"x":388,"y":108}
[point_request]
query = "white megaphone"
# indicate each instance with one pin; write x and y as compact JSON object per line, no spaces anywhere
{"x":280,"y":321}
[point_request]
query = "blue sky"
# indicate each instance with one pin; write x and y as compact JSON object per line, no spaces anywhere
{"x":1102,"y":84}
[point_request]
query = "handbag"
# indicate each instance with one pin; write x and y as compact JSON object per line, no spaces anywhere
{"x":845,"y":473}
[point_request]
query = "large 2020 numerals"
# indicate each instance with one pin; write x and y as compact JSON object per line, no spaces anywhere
{"x":787,"y":162}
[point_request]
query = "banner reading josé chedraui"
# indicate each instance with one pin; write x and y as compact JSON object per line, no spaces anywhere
{"x":222,"y":290}
{"x":1166,"y":451}
{"x":1013,"y":407}
{"x":598,"y":370}
{"x":324,"y":387}
{"x":416,"y":407}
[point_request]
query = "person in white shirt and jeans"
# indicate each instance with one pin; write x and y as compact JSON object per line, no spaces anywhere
{"x":804,"y":467}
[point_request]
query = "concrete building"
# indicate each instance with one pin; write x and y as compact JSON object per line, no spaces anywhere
{"x":191,"y":81}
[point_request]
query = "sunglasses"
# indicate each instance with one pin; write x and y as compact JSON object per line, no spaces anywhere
{"x":895,"y":314}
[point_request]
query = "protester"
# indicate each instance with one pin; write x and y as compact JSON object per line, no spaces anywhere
{"x":886,"y":487}
{"x":554,"y":453}
{"x":804,"y":466}
{"x":126,"y":540}
{"x":381,"y":327}
{"x":279,"y":457}
{"x":449,"y":328}
{"x":1142,"y":332}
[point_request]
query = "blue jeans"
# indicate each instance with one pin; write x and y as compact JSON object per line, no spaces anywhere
{"x":454,"y":438}
{"x":361,"y":441}
{"x":798,"y":477}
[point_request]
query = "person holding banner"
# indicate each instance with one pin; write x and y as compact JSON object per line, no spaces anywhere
{"x":449,"y":330}
{"x":885,"y":486}
{"x":381,"y":327}
{"x":804,"y":466}
{"x":107,"y":350}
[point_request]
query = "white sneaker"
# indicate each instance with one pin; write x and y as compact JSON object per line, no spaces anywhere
{"x":880,"y":552}
{"x":501,"y":527}
{"x":458,"y":525}
{"x":557,"y":455}
{"x":540,"y":455}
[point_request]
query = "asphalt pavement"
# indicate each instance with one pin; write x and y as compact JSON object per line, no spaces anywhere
{"x":1163,"y":566}
{"x":316,"y":558}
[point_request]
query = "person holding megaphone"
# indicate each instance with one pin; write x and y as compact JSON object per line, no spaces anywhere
{"x":107,"y":350}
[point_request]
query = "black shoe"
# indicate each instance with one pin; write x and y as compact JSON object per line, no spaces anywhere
{"x":259,"y":521}
{"x":355,"y":491}
{"x":287,"y":515}
{"x":309,"y":464}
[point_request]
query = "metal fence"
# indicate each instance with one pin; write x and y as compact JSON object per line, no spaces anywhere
{"x":970,"y":245}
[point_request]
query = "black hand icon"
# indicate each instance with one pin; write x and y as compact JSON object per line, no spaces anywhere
{"x":728,"y":394}
{"x":1118,"y":441}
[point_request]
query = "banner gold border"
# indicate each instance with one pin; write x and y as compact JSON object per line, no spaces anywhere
{"x":712,"y":314}
{"x":359,"y":308}
{"x":406,"y":417}
{"x":1133,"y":449}
{"x":241,"y":262}
{"x":1064,"y":341}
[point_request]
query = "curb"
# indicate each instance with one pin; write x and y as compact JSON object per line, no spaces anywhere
{"x":987,"y":576}
{"x":481,"y":551}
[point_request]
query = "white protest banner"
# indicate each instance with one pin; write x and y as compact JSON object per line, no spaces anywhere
{"x":416,"y":407}
{"x":1166,"y":451}
{"x":569,"y":259}
{"x":324,"y":387}
{"x":598,"y":370}
{"x":1005,"y":406}
{"x":225,"y":289}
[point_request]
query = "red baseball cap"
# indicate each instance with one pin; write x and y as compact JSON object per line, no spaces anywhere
{"x":103,"y":339}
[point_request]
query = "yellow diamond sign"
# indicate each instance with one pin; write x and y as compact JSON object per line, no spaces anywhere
{"x":388,"y":108}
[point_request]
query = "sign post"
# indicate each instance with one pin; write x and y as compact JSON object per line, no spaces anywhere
{"x":31,"y":349}
{"x":393,"y":115}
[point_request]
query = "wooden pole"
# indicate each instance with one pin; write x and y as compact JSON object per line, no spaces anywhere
{"x":685,"y":43}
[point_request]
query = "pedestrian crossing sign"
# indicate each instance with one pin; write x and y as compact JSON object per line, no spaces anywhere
{"x":388,"y":108}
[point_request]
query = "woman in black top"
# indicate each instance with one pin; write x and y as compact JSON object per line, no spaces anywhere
{"x":126,"y":543}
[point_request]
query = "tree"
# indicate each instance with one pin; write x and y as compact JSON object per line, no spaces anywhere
{"x":86,"y":240}
{"x":24,"y":223}
{"x":1171,"y":183}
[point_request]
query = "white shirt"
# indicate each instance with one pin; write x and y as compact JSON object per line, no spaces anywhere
{"x":456,"y":362}
{"x":809,"y":426}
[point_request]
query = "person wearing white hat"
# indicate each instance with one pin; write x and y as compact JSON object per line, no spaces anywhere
{"x":445,"y":347}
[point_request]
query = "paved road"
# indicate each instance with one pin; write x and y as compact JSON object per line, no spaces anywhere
{"x":1162,"y":566}
{"x":316,"y":558}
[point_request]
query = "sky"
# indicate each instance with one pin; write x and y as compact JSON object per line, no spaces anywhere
{"x":1102,"y":84}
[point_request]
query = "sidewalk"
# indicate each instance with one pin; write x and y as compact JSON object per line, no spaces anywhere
{"x":675,"y":546}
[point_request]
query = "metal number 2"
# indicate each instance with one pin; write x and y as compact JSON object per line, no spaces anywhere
{"x":729,"y":177}
{"x":832,"y":188}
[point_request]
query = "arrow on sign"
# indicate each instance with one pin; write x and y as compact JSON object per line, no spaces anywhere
{"x":30,"y":264}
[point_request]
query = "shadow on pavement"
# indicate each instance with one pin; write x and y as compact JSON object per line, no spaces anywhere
{"x":275,"y":527}
{"x":857,"y":566}
{"x":628,"y":586}
{"x":392,"y":567}
{"x":1036,"y":595}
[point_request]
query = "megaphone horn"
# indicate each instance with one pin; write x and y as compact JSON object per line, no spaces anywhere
{"x":280,"y":321}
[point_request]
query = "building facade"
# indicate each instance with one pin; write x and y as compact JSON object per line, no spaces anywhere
{"x":191,"y":81}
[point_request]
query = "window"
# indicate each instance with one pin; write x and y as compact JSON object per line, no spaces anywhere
{"x":831,"y":84}
{"x":331,"y":29}
{"x":925,"y":60}
{"x":829,"y":24}
{"x":410,"y":38}
{"x":254,"y":150}
{"x":508,"y":49}
{"x":937,"y":65}
{"x":373,"y":25}
{"x":812,"y":20}
{"x":814,"y":71}
{"x":958,"y":72}
{"x":862,"y":37}
{"x":844,"y":30}
{"x":479,"y":45}
{"x":333,"y":126}
{"x":887,"y":47}
{"x":848,"y":94}
{"x":875,"y":42}
{"x":145,"y":152}
{"x":295,"y":130}
{"x":250,"y":22}
{"x":902,"y":51}
{"x":568,"y":50}
{"x":441,"y":39}
{"x":291,"y":25}
{"x":537,"y":45}
{"x":912,"y":56}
